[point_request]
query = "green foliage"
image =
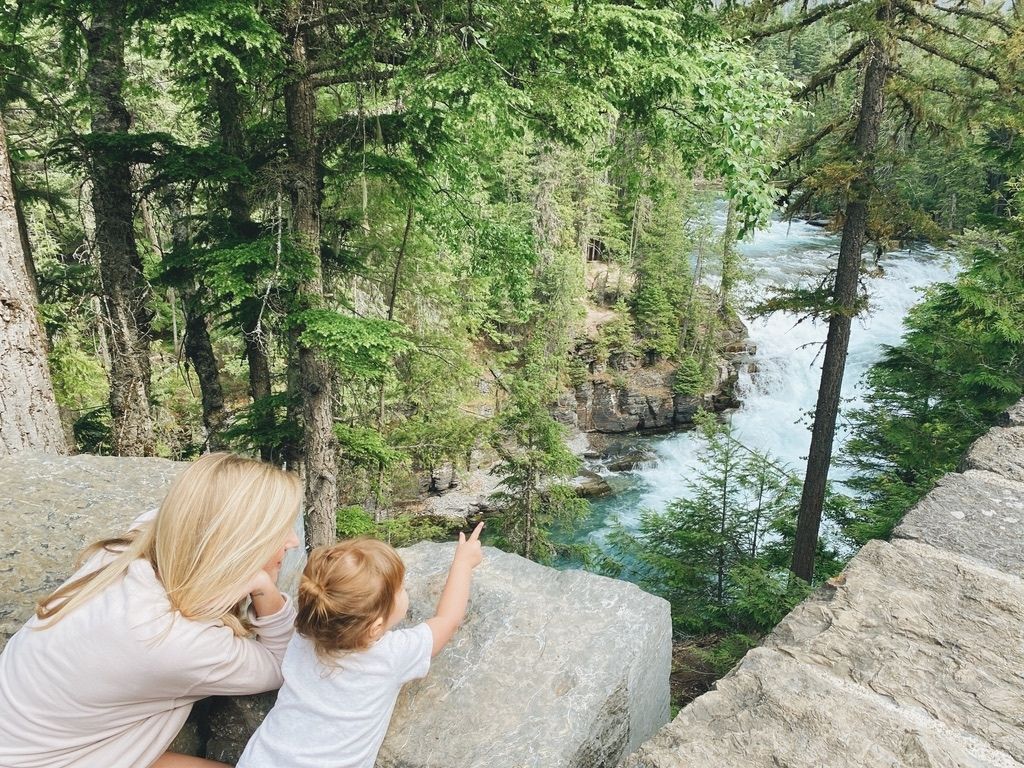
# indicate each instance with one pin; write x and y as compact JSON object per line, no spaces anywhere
{"x":692,"y":378}
{"x":959,"y":364}
{"x":263,"y":424}
{"x":363,"y":347}
{"x":361,"y":445}
{"x":79,"y":381}
{"x":617,"y":335}
{"x":662,"y":295}
{"x":354,"y":521}
{"x":220,"y":36}
{"x":719,"y":555}
{"x":534,"y":461}
{"x":399,"y":531}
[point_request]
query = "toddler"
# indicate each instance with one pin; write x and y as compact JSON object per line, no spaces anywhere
{"x":346,"y":664}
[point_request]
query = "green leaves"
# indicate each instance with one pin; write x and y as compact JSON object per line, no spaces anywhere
{"x":214,"y":37}
{"x":363,"y":347}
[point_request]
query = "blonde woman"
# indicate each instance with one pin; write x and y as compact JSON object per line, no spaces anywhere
{"x":107,"y":670}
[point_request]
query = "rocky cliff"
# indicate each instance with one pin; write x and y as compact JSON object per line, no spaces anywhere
{"x":910,"y":657}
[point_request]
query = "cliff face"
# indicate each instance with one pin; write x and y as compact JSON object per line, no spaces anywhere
{"x":641,"y":399}
{"x":625,"y":393}
{"x":910,"y":657}
{"x":553,"y":669}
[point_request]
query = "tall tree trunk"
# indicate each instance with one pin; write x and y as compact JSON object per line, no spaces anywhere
{"x":845,"y":298}
{"x":29,"y":419}
{"x":199,"y":346}
{"x":197,"y":343}
{"x":392,"y":299}
{"x":319,"y":461}
{"x":228,"y":101}
{"x":199,"y":350}
{"x":124,"y":293}
{"x":730,"y":260}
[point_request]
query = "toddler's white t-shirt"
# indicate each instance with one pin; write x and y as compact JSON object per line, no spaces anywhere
{"x":336,"y":716}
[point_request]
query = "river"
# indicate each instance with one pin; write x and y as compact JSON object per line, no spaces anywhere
{"x":777,"y":397}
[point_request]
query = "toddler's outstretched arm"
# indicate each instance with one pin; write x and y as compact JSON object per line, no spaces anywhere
{"x":451,"y":608}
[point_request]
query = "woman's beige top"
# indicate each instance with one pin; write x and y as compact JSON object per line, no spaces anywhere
{"x":110,"y":685}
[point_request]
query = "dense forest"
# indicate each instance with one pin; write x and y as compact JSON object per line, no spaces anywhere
{"x":379,"y":244}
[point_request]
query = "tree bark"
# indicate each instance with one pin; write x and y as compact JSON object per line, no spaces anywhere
{"x":199,"y":346}
{"x":124,"y":293}
{"x":319,"y":460}
{"x":227,"y":100}
{"x":845,"y":298}
{"x":730,"y":260}
{"x":29,"y":418}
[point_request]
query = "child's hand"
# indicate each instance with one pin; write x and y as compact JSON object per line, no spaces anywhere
{"x":468,"y":551}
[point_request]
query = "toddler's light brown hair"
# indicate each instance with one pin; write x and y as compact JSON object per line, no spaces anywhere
{"x":345,"y":588}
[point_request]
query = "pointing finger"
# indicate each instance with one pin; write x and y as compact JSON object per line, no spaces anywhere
{"x":476,"y":531}
{"x":462,"y":538}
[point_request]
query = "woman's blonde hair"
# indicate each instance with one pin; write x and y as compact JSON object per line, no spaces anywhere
{"x":345,"y":588}
{"x":223,"y":518}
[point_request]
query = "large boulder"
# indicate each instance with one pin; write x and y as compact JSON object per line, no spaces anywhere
{"x":1000,"y":450}
{"x":53,"y":506}
{"x":641,"y":399}
{"x":551,"y":669}
{"x":977,"y":514}
{"x":554,"y":669}
{"x":912,"y":657}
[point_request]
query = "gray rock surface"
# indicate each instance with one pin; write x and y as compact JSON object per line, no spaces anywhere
{"x":641,"y":400}
{"x":911,"y":657}
{"x":552,"y":669}
{"x":977,"y":514}
{"x":1000,"y":450}
{"x":1014,"y":416}
{"x":53,"y":506}
{"x":772,"y":711}
{"x":590,"y":485}
{"x":926,"y":630}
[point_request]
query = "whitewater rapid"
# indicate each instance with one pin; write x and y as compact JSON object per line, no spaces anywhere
{"x":777,"y":397}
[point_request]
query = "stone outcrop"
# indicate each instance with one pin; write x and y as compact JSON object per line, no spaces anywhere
{"x":621,"y":392}
{"x":910,"y":657}
{"x":640,"y":399}
{"x":52,"y":506}
{"x":553,"y":669}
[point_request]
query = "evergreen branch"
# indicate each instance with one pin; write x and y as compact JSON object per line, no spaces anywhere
{"x":994,"y":20}
{"x":812,"y":141}
{"x":940,"y":54}
{"x":828,"y":74}
{"x":371,"y":75}
{"x":803,"y":21}
{"x":793,"y":208}
{"x":934,"y":87}
{"x":907,"y":8}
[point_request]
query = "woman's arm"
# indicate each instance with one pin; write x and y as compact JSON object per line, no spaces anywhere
{"x":217,"y":662}
{"x":266,"y":597}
